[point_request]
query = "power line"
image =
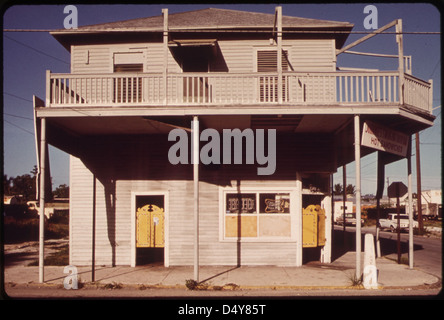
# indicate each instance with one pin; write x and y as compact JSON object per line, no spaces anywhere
{"x":13,"y":115}
{"x":36,"y":50}
{"x":13,"y":124}
{"x":15,"y":96}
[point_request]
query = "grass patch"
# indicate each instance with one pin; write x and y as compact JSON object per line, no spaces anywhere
{"x":27,"y":229}
{"x":58,"y":258}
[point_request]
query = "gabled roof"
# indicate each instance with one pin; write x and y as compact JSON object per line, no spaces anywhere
{"x":210,"y":19}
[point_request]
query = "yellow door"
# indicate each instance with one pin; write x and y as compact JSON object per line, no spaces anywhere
{"x":309,"y":227}
{"x":313,"y":226}
{"x":150,"y":227}
{"x":321,"y":227}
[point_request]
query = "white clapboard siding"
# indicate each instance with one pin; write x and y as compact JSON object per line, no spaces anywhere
{"x":239,"y":56}
{"x":313,"y":55}
{"x":141,"y":166}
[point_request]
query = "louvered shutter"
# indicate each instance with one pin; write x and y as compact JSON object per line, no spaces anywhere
{"x":127,"y":88}
{"x":267,"y":62}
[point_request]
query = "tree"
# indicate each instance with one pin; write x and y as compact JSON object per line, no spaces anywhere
{"x":24,"y":185}
{"x":350,"y":189}
{"x":337,"y":189}
{"x":62,"y":191}
{"x":7,"y":185}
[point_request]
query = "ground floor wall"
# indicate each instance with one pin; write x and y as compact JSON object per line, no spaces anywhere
{"x":105,"y":186}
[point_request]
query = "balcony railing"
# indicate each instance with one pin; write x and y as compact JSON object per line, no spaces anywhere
{"x":296,"y":88}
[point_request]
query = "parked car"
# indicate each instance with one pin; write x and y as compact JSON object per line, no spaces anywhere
{"x":392,"y":222}
{"x":350,"y":219}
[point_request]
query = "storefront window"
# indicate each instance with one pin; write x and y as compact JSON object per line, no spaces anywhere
{"x":274,"y":203}
{"x":258,"y":215}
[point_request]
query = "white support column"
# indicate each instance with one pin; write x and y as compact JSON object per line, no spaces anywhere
{"x":195,"y":161}
{"x":279,"y":51}
{"x":358,"y":194}
{"x":326,"y":249}
{"x":298,"y":220}
{"x":400,"y":60}
{"x":42,"y":199}
{"x":165,"y":56}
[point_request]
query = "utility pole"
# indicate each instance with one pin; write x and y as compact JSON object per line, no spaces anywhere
{"x":418,"y":184}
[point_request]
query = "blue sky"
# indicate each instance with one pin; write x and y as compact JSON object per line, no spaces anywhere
{"x":27,"y":56}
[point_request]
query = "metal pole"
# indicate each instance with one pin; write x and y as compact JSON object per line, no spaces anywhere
{"x":358,"y":195}
{"x":409,"y":177}
{"x":42,"y":199}
{"x":195,"y":137}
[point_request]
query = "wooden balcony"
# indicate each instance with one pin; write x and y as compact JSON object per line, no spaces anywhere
{"x":219,"y":89}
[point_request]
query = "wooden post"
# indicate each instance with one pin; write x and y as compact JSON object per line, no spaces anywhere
{"x":418,"y":183}
{"x":195,"y":151}
{"x":409,"y":185}
{"x":165,"y":56}
{"x":279,"y":52}
{"x":299,"y":229}
{"x":358,"y":195}
{"x":42,"y":200}
{"x":400,"y":60}
{"x":48,"y":88}
{"x":344,"y":198}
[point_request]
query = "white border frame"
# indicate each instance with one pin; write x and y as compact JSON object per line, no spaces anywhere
{"x":165,"y":194}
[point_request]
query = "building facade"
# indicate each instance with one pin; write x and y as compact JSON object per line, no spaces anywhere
{"x":147,"y":97}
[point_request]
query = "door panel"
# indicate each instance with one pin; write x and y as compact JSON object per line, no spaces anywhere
{"x":150,"y":225}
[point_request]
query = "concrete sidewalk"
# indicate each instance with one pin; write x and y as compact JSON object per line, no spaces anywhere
{"x":313,"y":275}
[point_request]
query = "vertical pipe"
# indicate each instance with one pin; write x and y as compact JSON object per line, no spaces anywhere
{"x":42,"y":199}
{"x":358,"y":195}
{"x":195,"y":137}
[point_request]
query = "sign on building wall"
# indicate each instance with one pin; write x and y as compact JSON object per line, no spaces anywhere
{"x":382,"y":138}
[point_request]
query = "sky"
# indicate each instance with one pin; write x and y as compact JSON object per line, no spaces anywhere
{"x":27,"y":56}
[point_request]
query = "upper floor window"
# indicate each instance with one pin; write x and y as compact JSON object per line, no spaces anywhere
{"x":268,"y":85}
{"x":128,"y":88}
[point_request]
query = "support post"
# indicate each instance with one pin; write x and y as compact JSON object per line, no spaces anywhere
{"x":358,"y":195}
{"x":42,"y":200}
{"x":195,"y":151}
{"x":344,"y":198}
{"x":279,"y":52}
{"x":418,"y":183}
{"x":165,"y":56}
{"x":409,"y":185}
{"x":299,"y":247}
{"x":93,"y":235}
{"x":400,"y":60}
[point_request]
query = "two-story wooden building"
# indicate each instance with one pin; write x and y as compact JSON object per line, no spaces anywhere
{"x":133,"y":83}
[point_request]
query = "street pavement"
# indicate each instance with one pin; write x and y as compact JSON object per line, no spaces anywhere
{"x":313,"y":278}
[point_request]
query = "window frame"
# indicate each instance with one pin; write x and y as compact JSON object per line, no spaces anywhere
{"x":291,"y":191}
